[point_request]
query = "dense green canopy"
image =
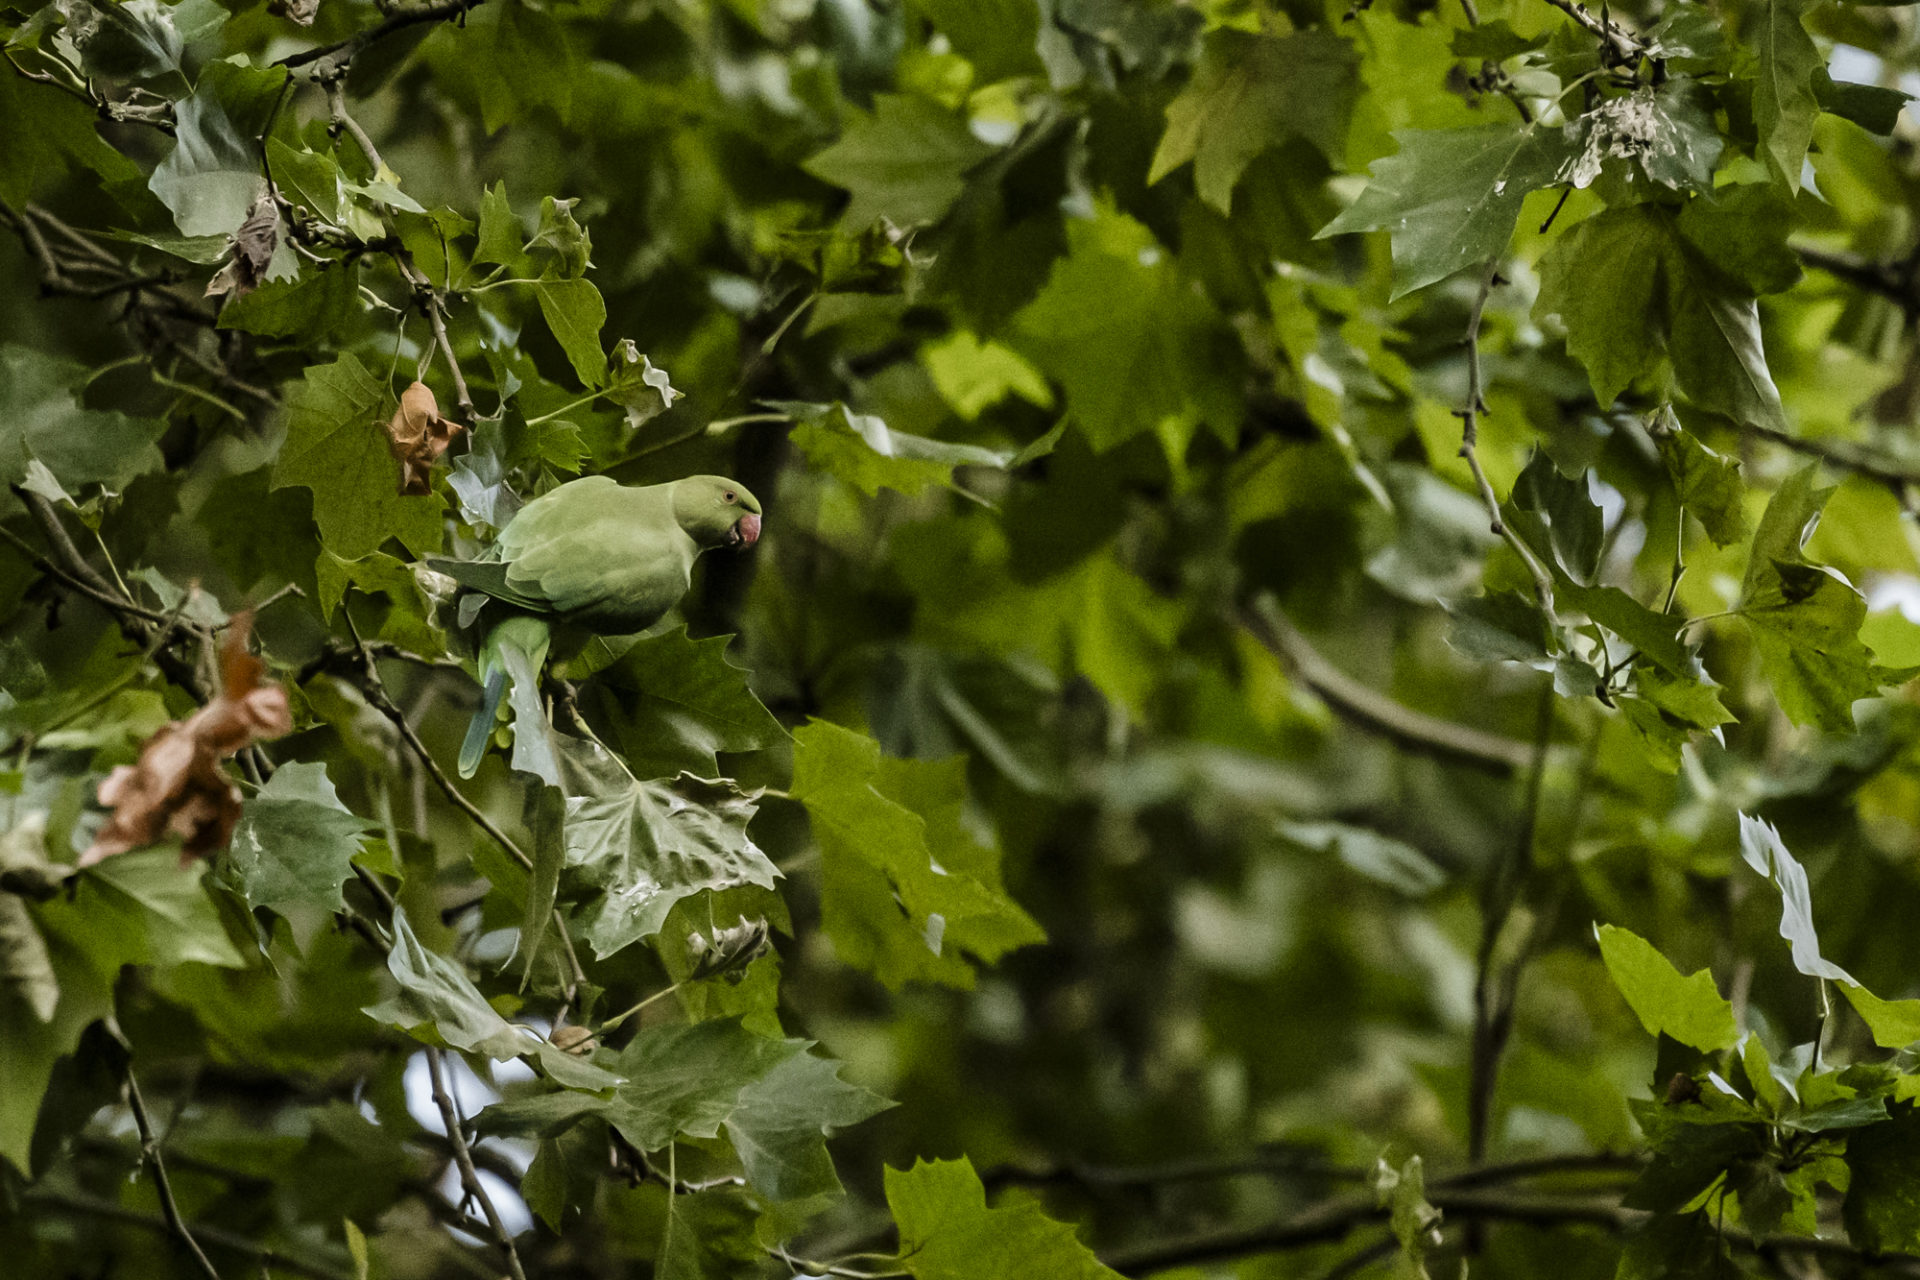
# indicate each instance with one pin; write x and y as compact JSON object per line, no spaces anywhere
{"x":1323,"y":692}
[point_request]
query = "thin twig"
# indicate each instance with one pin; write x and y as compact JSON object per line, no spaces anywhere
{"x":143,"y":626}
{"x":343,"y":51}
{"x":1892,"y":280}
{"x":1373,"y":711}
{"x":150,"y":1154}
{"x":1494,"y":992}
{"x":1897,"y":479}
{"x":252,"y":1250}
{"x":469,"y":1177}
{"x":376,"y":692}
{"x":1469,"y":415}
{"x":431,"y":300}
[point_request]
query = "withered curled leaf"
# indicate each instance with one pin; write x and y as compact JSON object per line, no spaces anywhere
{"x":418,"y":435}
{"x":253,"y":246}
{"x":177,"y":787}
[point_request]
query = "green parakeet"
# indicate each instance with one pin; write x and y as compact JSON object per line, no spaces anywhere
{"x":590,"y":558}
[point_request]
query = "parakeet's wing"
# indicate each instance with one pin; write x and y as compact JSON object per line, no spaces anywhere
{"x":489,"y":577}
{"x":592,"y":549}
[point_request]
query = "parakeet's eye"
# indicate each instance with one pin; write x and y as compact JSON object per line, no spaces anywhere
{"x":729,"y":496}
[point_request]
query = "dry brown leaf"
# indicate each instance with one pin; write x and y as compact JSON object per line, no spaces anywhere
{"x":300,"y":11}
{"x":418,"y":435}
{"x":253,"y":246}
{"x":177,"y":788}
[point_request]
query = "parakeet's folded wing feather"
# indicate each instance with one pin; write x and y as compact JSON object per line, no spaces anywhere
{"x":490,"y":577}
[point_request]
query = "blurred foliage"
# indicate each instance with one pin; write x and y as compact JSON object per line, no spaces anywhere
{"x":1324,"y":692}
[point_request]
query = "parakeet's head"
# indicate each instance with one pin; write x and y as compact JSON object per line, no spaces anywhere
{"x":716,"y":511}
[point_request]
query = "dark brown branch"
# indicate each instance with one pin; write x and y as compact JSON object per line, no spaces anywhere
{"x":1496,"y":985}
{"x":1373,"y":711}
{"x":376,"y":693}
{"x":1897,"y":479}
{"x":252,"y":1250}
{"x":1274,"y":1162}
{"x":469,"y":1177}
{"x":1335,"y":1220}
{"x":1891,"y":280}
{"x":141,"y":625}
{"x":342,"y":52}
{"x":1623,"y":46}
{"x":150,"y":1156}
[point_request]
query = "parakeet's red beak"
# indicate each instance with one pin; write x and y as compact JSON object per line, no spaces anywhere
{"x":745,"y":532}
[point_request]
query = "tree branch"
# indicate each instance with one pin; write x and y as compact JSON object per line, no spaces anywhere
{"x":375,"y":690}
{"x":150,"y":1156}
{"x":342,"y":52}
{"x":252,"y":1250}
{"x":141,"y":625}
{"x":469,"y":1177}
{"x":1897,"y":479}
{"x":1469,"y":415}
{"x":1336,"y":1219}
{"x":1892,"y":280}
{"x":1373,"y":711}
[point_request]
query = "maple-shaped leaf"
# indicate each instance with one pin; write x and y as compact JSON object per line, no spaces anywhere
{"x":1450,"y":197}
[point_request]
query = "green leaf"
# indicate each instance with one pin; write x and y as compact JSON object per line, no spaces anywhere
{"x":999,"y":37}
{"x":215,"y":171}
{"x":1135,"y":347}
{"x":145,"y":908}
{"x":49,"y":133}
{"x":1741,"y":231}
{"x":908,"y":889}
{"x":1767,"y":854}
{"x":506,"y":59}
{"x":647,"y":845}
{"x":1666,"y":132}
{"x":1602,"y":279}
{"x":680,"y":701}
{"x":1556,"y":513}
{"x":973,"y":375}
{"x":1625,"y":280}
{"x":45,"y":422}
{"x":1805,"y":618}
{"x":1873,"y":107}
{"x":576,"y":313}
{"x":502,"y":237}
{"x":774,"y":1100}
{"x":26,"y":971}
{"x":947,"y":1232}
{"x":903,"y":163}
{"x":1882,"y":1207}
{"x":307,"y":308}
{"x":1655,"y":634}
{"x":1503,"y":626}
{"x":1690,"y":1010}
{"x":32,"y":1044}
{"x":1707,"y":484}
{"x":1414,"y":1221}
{"x":295,"y":842}
{"x":863,"y":451}
{"x":1250,"y":93}
{"x":1784,"y":99}
{"x":438,"y":1004}
{"x":335,"y":446}
{"x":1450,"y":197}
{"x":1494,"y":41}
{"x":1894,"y":1024}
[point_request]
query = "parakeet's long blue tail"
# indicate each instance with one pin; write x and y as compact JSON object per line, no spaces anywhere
{"x":510,"y":662}
{"x":475,"y":745}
